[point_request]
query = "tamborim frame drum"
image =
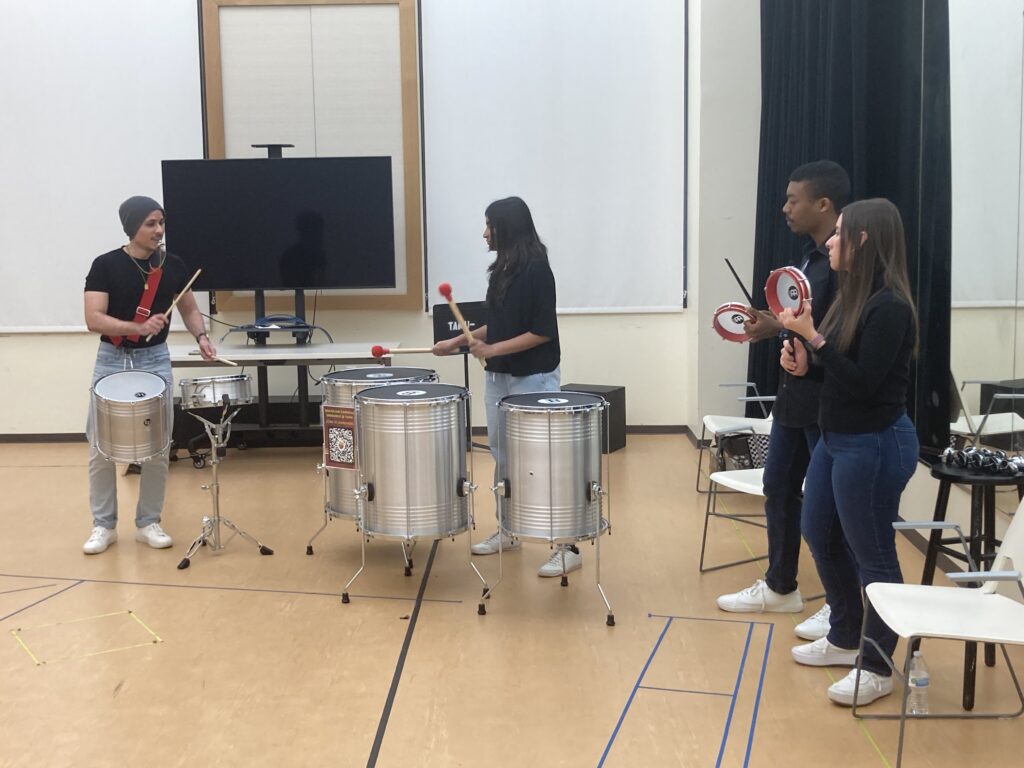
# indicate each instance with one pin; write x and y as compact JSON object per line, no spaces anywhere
{"x":338,"y":418}
{"x":411,"y":458}
{"x":787,"y":288}
{"x":728,"y":321}
{"x":553,"y":490}
{"x":209,"y":391}
{"x":130,"y":416}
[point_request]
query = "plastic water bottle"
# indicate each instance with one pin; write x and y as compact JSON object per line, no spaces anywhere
{"x":918,"y":680}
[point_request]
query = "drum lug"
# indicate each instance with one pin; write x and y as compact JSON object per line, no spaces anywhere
{"x":464,"y":487}
{"x":504,"y":487}
{"x":365,"y":491}
{"x":595,"y":491}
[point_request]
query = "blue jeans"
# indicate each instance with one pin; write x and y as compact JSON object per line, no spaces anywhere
{"x":789,"y":451}
{"x":103,"y":473}
{"x":497,"y":386}
{"x":851,"y":500}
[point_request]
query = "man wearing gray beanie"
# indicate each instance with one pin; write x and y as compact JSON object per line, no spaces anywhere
{"x":127,"y":292}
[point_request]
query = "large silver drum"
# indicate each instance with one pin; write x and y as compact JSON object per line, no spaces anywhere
{"x":209,"y":391}
{"x":338,"y":418}
{"x":411,"y":458}
{"x":552,"y":490}
{"x":130,"y":416}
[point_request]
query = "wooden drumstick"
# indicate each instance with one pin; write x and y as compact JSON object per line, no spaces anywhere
{"x":225,"y":360}
{"x":183,"y":292}
{"x":379,"y":351}
{"x":445,"y":290}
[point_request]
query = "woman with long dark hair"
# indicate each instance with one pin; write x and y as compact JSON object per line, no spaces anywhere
{"x":519,"y":342}
{"x":868,"y":449}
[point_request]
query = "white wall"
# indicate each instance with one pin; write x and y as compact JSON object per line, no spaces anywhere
{"x":670,"y":363}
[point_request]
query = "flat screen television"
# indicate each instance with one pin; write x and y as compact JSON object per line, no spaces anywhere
{"x":281,"y":224}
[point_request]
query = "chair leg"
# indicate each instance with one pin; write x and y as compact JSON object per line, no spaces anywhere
{"x":700,"y":456}
{"x":710,"y":510}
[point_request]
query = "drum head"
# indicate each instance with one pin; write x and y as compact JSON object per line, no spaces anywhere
{"x":787,"y":288}
{"x":410,"y":392}
{"x":129,"y":386}
{"x":379,"y":374}
{"x":728,"y":321}
{"x":551,"y":401}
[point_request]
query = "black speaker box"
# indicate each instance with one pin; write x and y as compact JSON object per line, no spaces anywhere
{"x":614,"y":415}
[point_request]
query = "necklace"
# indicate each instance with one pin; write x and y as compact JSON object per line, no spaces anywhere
{"x":149,"y":268}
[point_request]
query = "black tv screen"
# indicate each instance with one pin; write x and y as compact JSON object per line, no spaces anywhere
{"x":279,"y":224}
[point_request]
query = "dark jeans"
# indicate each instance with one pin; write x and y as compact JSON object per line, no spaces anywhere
{"x":851,"y":499}
{"x":789,"y":451}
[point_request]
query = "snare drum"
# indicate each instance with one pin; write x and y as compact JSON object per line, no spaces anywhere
{"x":552,"y":491}
{"x":338,"y":418}
{"x":209,"y":391}
{"x":130,"y":417}
{"x":787,"y":288}
{"x":411,"y":458}
{"x":728,"y":321}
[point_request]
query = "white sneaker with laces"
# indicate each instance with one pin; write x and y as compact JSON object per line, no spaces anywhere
{"x":821,"y":653}
{"x":872,"y":687}
{"x":816,"y":626}
{"x":99,"y":540}
{"x":489,"y":546}
{"x":153,"y":535}
{"x":553,"y":567}
{"x":760,"y":597}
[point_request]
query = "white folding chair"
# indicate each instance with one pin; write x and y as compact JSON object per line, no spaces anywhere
{"x":969,"y":428}
{"x":714,"y":425}
{"x":975,"y":614}
{"x":748,"y":480}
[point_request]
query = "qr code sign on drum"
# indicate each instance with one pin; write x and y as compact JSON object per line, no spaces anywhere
{"x":341,"y":445}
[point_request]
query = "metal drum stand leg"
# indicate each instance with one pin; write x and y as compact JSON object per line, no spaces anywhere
{"x":219,"y":435}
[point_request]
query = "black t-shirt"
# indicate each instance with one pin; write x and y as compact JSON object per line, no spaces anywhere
{"x":114,"y":274}
{"x":528,"y":306}
{"x":865,"y":389}
{"x":797,"y":399}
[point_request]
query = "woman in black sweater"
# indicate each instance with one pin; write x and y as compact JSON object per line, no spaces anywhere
{"x":869,"y":448}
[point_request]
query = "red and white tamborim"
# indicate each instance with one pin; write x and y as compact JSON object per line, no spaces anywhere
{"x":787,"y":288}
{"x":729,"y":319}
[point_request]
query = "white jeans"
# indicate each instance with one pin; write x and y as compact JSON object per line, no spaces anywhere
{"x":103,"y":473}
{"x":499,"y":385}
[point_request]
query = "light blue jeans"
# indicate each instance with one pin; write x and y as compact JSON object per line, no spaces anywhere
{"x":103,"y":473}
{"x":499,"y":385}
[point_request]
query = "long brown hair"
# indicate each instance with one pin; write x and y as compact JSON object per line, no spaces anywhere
{"x":879,"y":262}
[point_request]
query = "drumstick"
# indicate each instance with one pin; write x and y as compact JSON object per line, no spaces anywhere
{"x":750,"y":301}
{"x":183,"y":292}
{"x":379,"y":351}
{"x":445,"y":290}
{"x":225,"y":360}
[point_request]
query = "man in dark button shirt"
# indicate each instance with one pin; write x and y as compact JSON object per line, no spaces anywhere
{"x":816,"y":193}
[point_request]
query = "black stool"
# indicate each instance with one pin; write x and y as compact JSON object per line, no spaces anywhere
{"x":981,"y":542}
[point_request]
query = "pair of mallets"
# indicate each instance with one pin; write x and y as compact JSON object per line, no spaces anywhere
{"x":445,"y":289}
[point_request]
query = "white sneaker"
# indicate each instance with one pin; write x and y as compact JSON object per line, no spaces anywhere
{"x":489,"y":546}
{"x":760,"y":597}
{"x":99,"y":540}
{"x":816,"y":626}
{"x":821,"y":653}
{"x":872,"y":687}
{"x":553,"y":567}
{"x":153,"y":535}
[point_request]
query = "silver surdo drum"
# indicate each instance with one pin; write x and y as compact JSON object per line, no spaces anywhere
{"x":411,"y":458}
{"x":338,"y":418}
{"x":130,"y":416}
{"x":552,"y":490}
{"x":209,"y":391}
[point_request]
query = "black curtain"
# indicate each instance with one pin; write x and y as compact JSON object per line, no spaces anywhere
{"x":864,"y":83}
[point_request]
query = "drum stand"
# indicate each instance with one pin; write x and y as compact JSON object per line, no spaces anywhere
{"x":596,"y":492}
{"x":219,"y":435}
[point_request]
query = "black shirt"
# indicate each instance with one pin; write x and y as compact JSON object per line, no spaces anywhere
{"x":797,"y":401}
{"x":528,"y":306}
{"x":114,"y":274}
{"x":865,"y":390}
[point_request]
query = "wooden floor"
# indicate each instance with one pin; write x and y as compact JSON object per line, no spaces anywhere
{"x":244,"y":660}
